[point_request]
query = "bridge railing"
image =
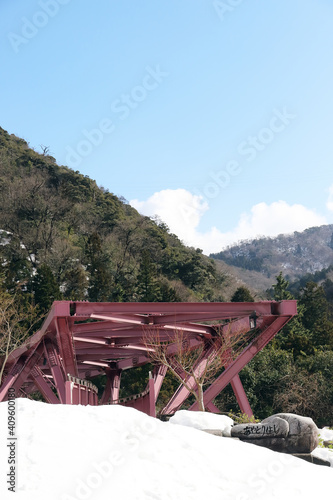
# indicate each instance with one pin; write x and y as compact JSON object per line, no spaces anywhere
{"x":80,"y":392}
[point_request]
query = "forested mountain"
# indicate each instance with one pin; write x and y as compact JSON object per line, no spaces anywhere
{"x":296,"y":254}
{"x":62,"y":236}
{"x":294,"y":373}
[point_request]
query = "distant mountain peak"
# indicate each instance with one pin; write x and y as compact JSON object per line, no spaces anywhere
{"x":294,"y":254}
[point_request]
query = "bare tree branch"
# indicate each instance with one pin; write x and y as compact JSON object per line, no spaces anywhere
{"x":16,"y":324}
{"x":192,"y":360}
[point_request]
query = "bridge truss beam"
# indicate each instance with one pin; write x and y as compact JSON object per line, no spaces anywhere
{"x":79,"y":341}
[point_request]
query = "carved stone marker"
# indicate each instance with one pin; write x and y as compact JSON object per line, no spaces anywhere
{"x":282,"y":432}
{"x":276,"y":427}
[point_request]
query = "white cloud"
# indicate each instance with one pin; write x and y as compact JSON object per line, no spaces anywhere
{"x":178,"y":208}
{"x":329,"y":203}
{"x":182,"y":212}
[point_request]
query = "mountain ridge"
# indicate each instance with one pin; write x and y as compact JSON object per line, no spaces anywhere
{"x":64,"y":237}
{"x":295,"y":254}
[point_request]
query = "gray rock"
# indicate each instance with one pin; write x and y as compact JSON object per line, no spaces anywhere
{"x":215,"y":432}
{"x":284,"y":432}
{"x":218,"y":432}
{"x":276,"y":427}
{"x":302,"y":437}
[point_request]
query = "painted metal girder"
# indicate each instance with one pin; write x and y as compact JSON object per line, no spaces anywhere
{"x":66,"y":345}
{"x":56,"y":367}
{"x":112,"y":387}
{"x":20,"y":372}
{"x":194,"y":309}
{"x":245,"y":357}
{"x":43,"y":385}
{"x":182,"y":393}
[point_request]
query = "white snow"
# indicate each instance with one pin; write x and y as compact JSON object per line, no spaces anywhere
{"x":203,"y":420}
{"x":324,"y":453}
{"x":111,"y":452}
{"x":326,"y":434}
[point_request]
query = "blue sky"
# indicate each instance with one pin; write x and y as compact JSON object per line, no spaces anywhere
{"x":214,"y":115}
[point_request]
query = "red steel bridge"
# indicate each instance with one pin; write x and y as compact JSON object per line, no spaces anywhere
{"x":80,"y":340}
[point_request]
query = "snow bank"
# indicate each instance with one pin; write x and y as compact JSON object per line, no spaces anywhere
{"x":111,"y":452}
{"x":326,"y":434}
{"x":325,"y":453}
{"x":203,"y":420}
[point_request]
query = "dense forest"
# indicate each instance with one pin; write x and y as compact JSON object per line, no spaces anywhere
{"x":295,"y":254}
{"x":294,"y":373}
{"x":63,"y":237}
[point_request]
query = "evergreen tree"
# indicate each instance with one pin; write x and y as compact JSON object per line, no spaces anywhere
{"x":15,"y":265}
{"x":101,"y":279}
{"x":45,"y":288}
{"x":281,"y":288}
{"x":242,"y":294}
{"x":75,"y":283}
{"x":295,"y":336}
{"x":316,"y":315}
{"x":149,"y":288}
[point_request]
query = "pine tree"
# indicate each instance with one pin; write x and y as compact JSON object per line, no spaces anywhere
{"x":45,"y":288}
{"x":149,"y":289}
{"x":281,"y":289}
{"x":316,"y":314}
{"x":75,"y":283}
{"x":101,"y":279}
{"x":242,"y":294}
{"x":295,"y":336}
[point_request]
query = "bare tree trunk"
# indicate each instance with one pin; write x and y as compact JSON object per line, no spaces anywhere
{"x":6,"y":356}
{"x":200,"y":398}
{"x":15,"y":326}
{"x":196,"y":364}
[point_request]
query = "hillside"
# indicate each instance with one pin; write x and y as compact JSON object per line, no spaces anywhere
{"x":62,"y":236}
{"x":295,"y":255}
{"x":235,"y":277}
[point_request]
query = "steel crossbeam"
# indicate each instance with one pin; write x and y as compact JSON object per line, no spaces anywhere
{"x":159,"y":373}
{"x":240,"y":394}
{"x":56,"y":368}
{"x":182,"y":392}
{"x":112,"y":387}
{"x":42,"y":384}
{"x":245,"y":357}
{"x":20,"y":372}
{"x":66,"y":346}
